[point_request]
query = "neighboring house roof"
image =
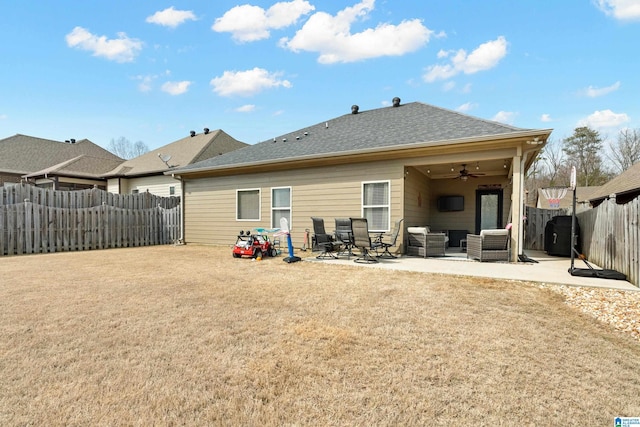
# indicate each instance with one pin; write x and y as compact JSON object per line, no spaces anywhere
{"x":582,"y":195}
{"x":23,"y":154}
{"x":388,"y":128}
{"x":80,"y":167}
{"x":625,"y":186}
{"x":182,"y":152}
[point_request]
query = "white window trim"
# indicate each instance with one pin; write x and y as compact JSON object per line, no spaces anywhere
{"x":259,"y":204}
{"x":362,"y":207}
{"x":281,"y":207}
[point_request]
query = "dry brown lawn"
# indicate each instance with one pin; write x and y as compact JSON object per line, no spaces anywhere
{"x":188,"y":335}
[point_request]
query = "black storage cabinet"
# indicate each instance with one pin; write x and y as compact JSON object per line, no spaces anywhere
{"x":557,"y":236}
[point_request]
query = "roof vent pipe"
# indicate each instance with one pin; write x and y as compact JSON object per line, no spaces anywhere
{"x":192,"y":133}
{"x":354,"y":109}
{"x":396,"y":102}
{"x":206,"y":131}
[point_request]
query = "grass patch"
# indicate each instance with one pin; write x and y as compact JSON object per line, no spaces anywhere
{"x":190,"y":335}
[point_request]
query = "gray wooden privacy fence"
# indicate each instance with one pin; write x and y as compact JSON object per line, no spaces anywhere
{"x":36,"y":220}
{"x":534,"y":227}
{"x":611,"y":237}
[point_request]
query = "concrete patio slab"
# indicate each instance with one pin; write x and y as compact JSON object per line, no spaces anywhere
{"x":548,"y":269}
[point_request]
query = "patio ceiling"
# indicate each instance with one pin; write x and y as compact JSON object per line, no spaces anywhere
{"x":449,"y":170}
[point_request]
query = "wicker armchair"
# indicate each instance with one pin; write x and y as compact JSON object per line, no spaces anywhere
{"x":421,"y":242}
{"x":489,"y":245}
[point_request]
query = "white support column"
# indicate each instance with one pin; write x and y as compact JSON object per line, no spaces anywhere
{"x":517,"y":189}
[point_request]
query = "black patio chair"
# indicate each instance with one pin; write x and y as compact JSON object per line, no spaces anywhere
{"x":362,"y":241}
{"x":325,"y":242}
{"x":380,"y":245}
{"x":345,"y":236}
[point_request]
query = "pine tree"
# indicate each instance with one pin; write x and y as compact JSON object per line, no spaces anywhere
{"x":583,"y":150}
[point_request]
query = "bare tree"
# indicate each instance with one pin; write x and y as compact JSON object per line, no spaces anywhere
{"x":556,"y":164}
{"x":625,"y":152}
{"x":123,"y":148}
{"x":549,"y":169}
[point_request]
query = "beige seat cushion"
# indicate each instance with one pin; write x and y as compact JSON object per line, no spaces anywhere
{"x":418,"y":230}
{"x":498,"y":232}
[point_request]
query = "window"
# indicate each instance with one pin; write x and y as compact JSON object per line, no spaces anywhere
{"x":248,"y":205}
{"x":375,"y":205}
{"x":172,"y":190}
{"x":136,"y":191}
{"x":280,"y":206}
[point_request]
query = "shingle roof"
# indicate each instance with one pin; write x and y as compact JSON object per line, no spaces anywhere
{"x":179,"y":153}
{"x":380,"y":128}
{"x":81,"y":166}
{"x":626,"y":182}
{"x":22,"y":154}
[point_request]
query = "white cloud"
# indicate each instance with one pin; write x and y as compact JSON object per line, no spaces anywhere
{"x":145,"y":82}
{"x":247,"y":83}
{"x":331,"y":36}
{"x":546,"y":118}
{"x":3,"y":117}
{"x":171,"y":17}
{"x":248,"y":108}
{"x":449,"y":86}
{"x":122,"y":49}
{"x":248,"y":23}
{"x":624,"y":10}
{"x":484,"y":57}
{"x":176,"y":88}
{"x":604,"y":119}
{"x":506,"y":117}
{"x":594,"y":92}
{"x":468,"y":106}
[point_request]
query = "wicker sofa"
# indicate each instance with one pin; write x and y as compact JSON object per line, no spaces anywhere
{"x":422,"y":242}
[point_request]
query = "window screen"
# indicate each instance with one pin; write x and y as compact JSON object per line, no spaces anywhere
{"x":248,"y":204}
{"x":375,"y":205}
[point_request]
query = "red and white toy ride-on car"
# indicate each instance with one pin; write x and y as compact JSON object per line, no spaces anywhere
{"x":253,"y":245}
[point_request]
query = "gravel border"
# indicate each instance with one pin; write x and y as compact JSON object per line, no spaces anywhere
{"x":620,"y":309}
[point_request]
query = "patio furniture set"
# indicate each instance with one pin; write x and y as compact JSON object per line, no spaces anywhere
{"x":350,"y":234}
{"x":353,"y":233}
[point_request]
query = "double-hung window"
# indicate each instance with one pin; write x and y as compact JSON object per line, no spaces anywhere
{"x":248,"y":204}
{"x":375,"y":204}
{"x":280,"y":205}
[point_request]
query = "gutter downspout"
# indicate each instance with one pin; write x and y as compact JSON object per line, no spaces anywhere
{"x":179,"y":178}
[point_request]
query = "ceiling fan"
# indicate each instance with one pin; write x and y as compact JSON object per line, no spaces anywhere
{"x":465,"y":174}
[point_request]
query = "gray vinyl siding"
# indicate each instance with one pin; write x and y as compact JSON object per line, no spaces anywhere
{"x":417,"y":199}
{"x":328,"y":192}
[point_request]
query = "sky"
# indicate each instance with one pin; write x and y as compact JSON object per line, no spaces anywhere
{"x":152,"y":71}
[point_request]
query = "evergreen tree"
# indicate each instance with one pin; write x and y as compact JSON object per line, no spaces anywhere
{"x":583,"y":150}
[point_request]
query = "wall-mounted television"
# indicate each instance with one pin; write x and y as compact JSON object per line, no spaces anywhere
{"x":450,"y":203}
